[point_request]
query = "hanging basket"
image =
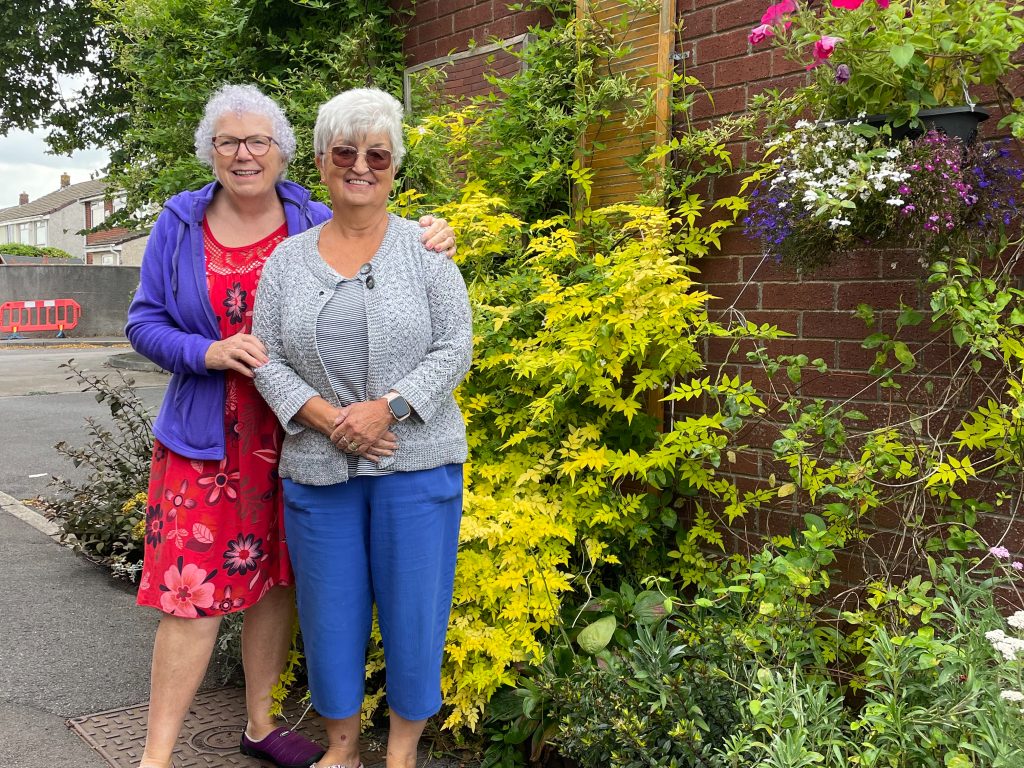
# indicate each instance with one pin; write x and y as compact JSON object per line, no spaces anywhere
{"x":958,"y":122}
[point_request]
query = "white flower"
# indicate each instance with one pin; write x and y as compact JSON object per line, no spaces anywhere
{"x":894,"y":201}
{"x":1012,"y":696}
{"x":1008,"y":647}
{"x":422,"y":130}
{"x":836,"y":223}
{"x":1017,"y":620}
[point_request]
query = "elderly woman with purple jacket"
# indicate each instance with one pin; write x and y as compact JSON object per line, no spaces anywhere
{"x":214,"y":538}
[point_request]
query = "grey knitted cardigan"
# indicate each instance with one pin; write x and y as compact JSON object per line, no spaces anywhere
{"x":420,"y":340}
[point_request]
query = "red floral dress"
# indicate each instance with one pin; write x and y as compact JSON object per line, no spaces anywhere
{"x":214,"y":536}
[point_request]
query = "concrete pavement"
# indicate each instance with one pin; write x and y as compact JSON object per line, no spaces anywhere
{"x":72,"y":640}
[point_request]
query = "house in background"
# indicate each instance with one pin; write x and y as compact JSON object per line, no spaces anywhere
{"x":117,"y":246}
{"x":59,"y":218}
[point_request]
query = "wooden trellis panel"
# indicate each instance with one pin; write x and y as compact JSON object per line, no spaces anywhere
{"x":650,"y":38}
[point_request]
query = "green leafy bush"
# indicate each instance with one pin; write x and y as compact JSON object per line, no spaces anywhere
{"x":104,"y":516}
{"x":18,"y":249}
{"x":930,"y":697}
{"x":170,"y":56}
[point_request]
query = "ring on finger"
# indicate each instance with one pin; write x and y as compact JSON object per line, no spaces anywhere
{"x":354,"y":446}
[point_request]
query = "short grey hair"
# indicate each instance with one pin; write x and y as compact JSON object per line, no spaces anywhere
{"x":242,"y":100}
{"x":355,"y":114}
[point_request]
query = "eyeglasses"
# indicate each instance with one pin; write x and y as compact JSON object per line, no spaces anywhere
{"x":228,"y":145}
{"x":345,"y":157}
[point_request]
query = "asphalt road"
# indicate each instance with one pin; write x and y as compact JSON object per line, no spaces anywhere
{"x":39,"y":407}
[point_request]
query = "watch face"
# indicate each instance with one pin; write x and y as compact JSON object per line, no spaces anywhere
{"x":399,"y":408}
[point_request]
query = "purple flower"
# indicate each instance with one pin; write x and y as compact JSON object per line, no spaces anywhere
{"x":1001,"y":552}
{"x":1017,"y":565}
{"x":843,"y":74}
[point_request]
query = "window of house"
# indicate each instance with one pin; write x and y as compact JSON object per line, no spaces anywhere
{"x":41,"y":233}
{"x":25,"y":233}
{"x":99,"y":215}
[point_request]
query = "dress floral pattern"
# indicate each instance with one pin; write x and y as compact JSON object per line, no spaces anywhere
{"x":214,"y":537}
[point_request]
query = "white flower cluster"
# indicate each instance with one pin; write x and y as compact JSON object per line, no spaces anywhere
{"x":1008,"y":646}
{"x":1017,"y":620}
{"x":1014,"y":696}
{"x":830,"y":168}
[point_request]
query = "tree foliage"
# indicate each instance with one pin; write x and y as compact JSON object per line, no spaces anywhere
{"x":40,"y":42}
{"x":162,"y":60}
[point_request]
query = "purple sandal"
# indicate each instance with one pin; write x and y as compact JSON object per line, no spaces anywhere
{"x":284,"y":748}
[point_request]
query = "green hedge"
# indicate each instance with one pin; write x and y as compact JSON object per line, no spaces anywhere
{"x":17,"y":249}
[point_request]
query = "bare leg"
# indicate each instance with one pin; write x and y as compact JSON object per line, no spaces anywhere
{"x":181,"y":654}
{"x":266,"y":639}
{"x":343,"y":743}
{"x":403,"y":739}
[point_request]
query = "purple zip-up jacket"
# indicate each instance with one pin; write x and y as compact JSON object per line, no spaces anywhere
{"x":171,"y":321}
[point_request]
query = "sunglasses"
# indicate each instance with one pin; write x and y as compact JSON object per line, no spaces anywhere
{"x":376,"y":159}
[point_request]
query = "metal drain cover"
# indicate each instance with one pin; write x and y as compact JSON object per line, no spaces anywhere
{"x":209,"y":738}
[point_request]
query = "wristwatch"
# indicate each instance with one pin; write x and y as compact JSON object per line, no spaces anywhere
{"x":398,"y":406}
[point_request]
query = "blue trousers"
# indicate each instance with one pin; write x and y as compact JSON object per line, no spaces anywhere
{"x":390,"y":540}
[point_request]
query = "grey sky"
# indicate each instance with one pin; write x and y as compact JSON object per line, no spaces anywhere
{"x":25,"y":166}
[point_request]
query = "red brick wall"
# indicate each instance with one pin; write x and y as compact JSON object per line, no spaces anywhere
{"x":817,"y":308}
{"x":440,"y":28}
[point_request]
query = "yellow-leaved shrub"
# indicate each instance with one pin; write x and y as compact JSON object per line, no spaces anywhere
{"x":579,"y":322}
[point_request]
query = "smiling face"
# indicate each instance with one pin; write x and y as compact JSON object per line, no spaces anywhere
{"x":360,"y":185}
{"x":243,"y":174}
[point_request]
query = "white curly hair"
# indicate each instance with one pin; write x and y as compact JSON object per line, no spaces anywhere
{"x":241,"y":100}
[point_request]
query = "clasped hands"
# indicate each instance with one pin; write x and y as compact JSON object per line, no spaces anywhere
{"x":363,"y":429}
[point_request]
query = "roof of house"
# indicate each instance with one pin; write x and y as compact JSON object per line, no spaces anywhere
{"x":113,"y":236}
{"x":54,"y":201}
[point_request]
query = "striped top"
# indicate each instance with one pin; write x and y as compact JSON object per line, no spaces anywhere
{"x":343,"y":344}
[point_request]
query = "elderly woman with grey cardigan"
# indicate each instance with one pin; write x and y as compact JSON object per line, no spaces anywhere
{"x":367,"y":334}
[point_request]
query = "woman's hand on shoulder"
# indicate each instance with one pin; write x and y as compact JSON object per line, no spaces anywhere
{"x":241,"y":353}
{"x":438,"y":236}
